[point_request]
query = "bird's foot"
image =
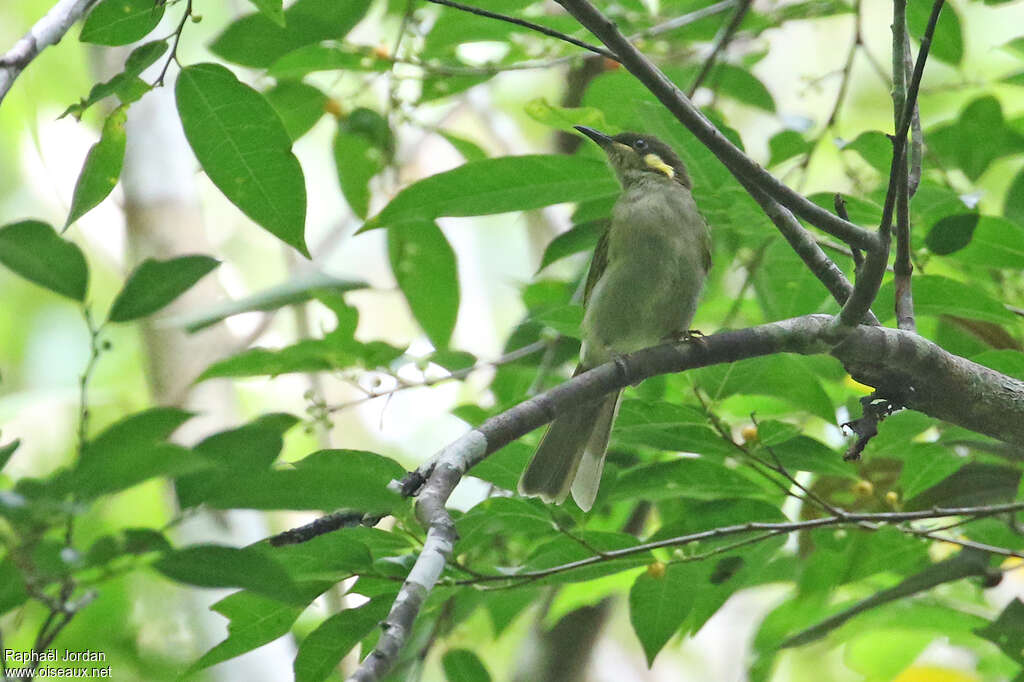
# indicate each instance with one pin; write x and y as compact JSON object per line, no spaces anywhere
{"x":687,"y":336}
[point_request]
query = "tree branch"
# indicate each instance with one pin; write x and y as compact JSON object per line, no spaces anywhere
{"x":923,"y":376}
{"x":47,"y":31}
{"x":724,"y":38}
{"x":870,"y":278}
{"x":738,"y":163}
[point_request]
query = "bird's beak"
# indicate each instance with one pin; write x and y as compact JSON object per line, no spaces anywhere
{"x":596,"y":135}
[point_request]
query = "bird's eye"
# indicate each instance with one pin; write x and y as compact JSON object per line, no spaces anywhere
{"x":640,"y":145}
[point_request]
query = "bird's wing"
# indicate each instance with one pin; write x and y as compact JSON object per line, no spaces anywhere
{"x":597,"y":265}
{"x":705,"y":243}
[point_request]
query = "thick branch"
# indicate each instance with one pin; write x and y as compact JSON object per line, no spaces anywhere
{"x":918,"y":373}
{"x":738,"y":163}
{"x":47,"y":31}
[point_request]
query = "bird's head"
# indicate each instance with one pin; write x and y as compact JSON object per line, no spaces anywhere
{"x":635,"y":157}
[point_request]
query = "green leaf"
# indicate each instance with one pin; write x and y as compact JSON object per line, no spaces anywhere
{"x":563,"y":550}
{"x":924,"y":465}
{"x":564,"y":319}
{"x":7,"y":450}
{"x":689,"y":477}
{"x":784,"y":376}
{"x":119,"y":22}
{"x":131,"y":451}
{"x":667,"y":426}
{"x":337,"y":350}
{"x":997,"y":243}
{"x":1010,"y":362}
{"x":1013,"y":205}
{"x":462,"y":665}
{"x":254,"y":620}
{"x":125,"y":84}
{"x":34,"y":250}
{"x":244,"y":149}
{"x":951,"y":233}
{"x":257,"y":41}
{"x":155,"y":283}
{"x":583,"y":237}
{"x":323,"y":648}
{"x":503,"y":606}
{"x":977,"y":138}
{"x":102,"y":167}
{"x":807,"y":454}
{"x":510,"y":183}
{"x":271,"y":9}
{"x":1007,"y":631}
{"x":424,"y":266}
{"x":658,"y":605}
{"x":784,"y":286}
{"x":327,"y":479}
{"x":740,"y":84}
{"x":937,"y":295}
{"x":785,"y":145}
{"x":564,"y":118}
{"x":875,"y":148}
{"x":290,"y":292}
{"x":948,"y":40}
{"x":220,"y":566}
{"x":470,"y":151}
{"x":356,"y":160}
{"x":311,"y":58}
{"x":298,"y":104}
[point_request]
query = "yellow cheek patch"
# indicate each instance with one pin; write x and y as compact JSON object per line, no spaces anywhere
{"x":654,"y":161}
{"x":622,"y":147}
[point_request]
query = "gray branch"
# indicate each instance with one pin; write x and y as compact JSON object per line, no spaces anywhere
{"x":47,"y":31}
{"x":913,"y":370}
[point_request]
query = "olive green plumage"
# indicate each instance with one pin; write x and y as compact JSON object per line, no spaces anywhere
{"x":645,"y":279}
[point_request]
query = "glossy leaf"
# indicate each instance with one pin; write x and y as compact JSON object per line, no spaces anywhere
{"x":685,"y":477}
{"x":102,"y":167}
{"x":119,"y":22}
{"x":510,"y":183}
{"x":995,"y":243}
{"x":323,"y":648}
{"x":582,"y":237}
{"x":220,"y":566}
{"x":327,"y":479}
{"x":244,"y":149}
{"x":6,"y":450}
{"x":298,"y":104}
{"x":659,"y":602}
{"x":462,"y":665}
{"x":875,"y":148}
{"x":34,"y":250}
{"x":951,"y":233}
{"x":1007,"y":631}
{"x":290,"y":292}
{"x":937,"y":295}
{"x":948,"y":41}
{"x":981,"y":122}
{"x":423,"y":263}
{"x":783,"y":376}
{"x":356,"y":160}
{"x":130,"y":451}
{"x":154,"y":284}
{"x":271,"y":9}
{"x":126,"y":85}
{"x":312,"y":58}
{"x":254,"y":620}
{"x":785,"y":145}
{"x":256,"y":40}
{"x":564,"y":118}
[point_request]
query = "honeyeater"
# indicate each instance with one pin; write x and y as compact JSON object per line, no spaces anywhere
{"x":645,"y":278}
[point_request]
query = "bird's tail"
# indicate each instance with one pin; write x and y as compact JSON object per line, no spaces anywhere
{"x":571,"y":454}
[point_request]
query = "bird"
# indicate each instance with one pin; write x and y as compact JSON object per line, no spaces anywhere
{"x":645,"y":279}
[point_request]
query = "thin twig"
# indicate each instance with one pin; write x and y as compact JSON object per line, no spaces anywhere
{"x":904,"y":297}
{"x":173,"y":56}
{"x":876,"y":519}
{"x":724,"y":38}
{"x":550,"y":32}
{"x":511,"y":356}
{"x":870,"y":279}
